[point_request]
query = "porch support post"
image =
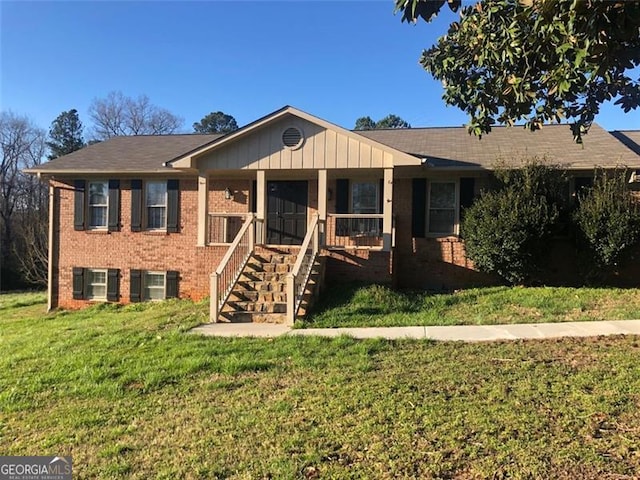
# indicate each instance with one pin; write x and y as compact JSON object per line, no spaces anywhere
{"x":203,"y":207}
{"x":387,"y":210}
{"x":322,"y":203}
{"x":261,"y":205}
{"x":53,"y":220}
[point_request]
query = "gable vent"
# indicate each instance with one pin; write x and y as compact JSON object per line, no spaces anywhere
{"x":292,"y":137}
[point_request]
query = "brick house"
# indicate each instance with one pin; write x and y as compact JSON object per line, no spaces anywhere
{"x":284,"y":198}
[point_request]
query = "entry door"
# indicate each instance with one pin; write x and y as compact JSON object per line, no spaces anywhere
{"x":286,"y":212}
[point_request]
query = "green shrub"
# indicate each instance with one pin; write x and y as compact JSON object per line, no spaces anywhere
{"x":608,"y":219}
{"x":506,"y":231}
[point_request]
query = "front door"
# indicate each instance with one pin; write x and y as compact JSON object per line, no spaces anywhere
{"x":286,"y":212}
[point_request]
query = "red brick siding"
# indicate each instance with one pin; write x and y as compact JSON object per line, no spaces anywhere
{"x":127,"y":250}
{"x":358,"y":265}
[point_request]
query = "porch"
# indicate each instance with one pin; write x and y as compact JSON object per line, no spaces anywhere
{"x":299,"y":214}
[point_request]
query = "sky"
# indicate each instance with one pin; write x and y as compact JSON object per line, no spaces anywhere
{"x":337,"y":60}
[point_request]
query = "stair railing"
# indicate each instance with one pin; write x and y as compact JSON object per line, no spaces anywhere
{"x":228,"y":272}
{"x":298,"y":278}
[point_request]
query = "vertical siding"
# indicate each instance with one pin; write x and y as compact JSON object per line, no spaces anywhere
{"x":322,"y":148}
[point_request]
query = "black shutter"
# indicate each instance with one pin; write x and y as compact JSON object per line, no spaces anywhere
{"x":114,"y":205}
{"x":172,"y":284}
{"x":78,"y":283}
{"x":136,"y":205}
{"x":254,"y":196}
{"x":79,"y":187}
{"x":467,"y":194}
{"x":418,"y":207}
{"x":342,"y":195}
{"x":173,"y":205}
{"x":135,"y":282}
{"x":381,"y":197}
{"x":113,"y":285}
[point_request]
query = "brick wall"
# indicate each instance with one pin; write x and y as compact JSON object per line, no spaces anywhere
{"x":157,"y":251}
{"x":358,"y":265}
{"x":429,"y":263}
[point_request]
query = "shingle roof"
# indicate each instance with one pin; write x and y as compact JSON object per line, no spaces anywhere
{"x":454,"y":147}
{"x":631,"y":138}
{"x":142,"y":153}
{"x":443,"y":147}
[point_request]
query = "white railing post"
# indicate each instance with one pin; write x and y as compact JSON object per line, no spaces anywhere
{"x":252,"y":236}
{"x":291,"y":298}
{"x":213,"y":299}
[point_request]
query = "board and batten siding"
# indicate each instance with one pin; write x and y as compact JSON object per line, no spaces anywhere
{"x":322,"y":149}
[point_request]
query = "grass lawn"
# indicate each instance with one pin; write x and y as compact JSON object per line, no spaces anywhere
{"x":129,"y":394}
{"x":378,"y":306}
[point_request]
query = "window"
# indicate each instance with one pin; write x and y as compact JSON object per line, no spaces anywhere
{"x":98,"y":204}
{"x":364,"y":197}
{"x":156,"y":205}
{"x":154,"y":286}
{"x":96,"y":284}
{"x":442,"y":210}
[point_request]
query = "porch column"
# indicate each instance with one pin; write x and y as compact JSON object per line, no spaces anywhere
{"x":387,"y":210}
{"x":203,"y":207}
{"x":261,"y":206}
{"x":53,"y":220}
{"x":322,"y":205}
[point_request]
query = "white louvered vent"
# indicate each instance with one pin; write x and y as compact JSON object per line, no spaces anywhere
{"x":292,"y":137}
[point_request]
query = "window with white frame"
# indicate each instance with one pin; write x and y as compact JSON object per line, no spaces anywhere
{"x":154,"y":286}
{"x":443,"y":208}
{"x":156,"y":205}
{"x":95,"y":284}
{"x":364,"y":197}
{"x":98,"y":204}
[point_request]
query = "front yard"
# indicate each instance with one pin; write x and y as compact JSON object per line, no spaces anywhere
{"x":129,"y":394}
{"x":377,"y":306}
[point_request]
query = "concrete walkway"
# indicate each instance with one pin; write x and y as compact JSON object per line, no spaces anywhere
{"x":465,"y":333}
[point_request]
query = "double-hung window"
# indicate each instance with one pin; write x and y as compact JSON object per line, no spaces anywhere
{"x":443,"y":208}
{"x":364,"y":197}
{"x":95,"y":284}
{"x":154,"y":286}
{"x":156,"y":205}
{"x":98,"y":204}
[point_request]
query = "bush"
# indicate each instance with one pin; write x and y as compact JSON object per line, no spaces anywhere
{"x":506,"y":231}
{"x":608,"y":219}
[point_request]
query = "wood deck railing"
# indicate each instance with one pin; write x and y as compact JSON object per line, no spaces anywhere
{"x":230,"y":268}
{"x":298,"y":278}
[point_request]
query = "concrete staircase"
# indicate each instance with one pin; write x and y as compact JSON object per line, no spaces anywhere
{"x":260,"y":293}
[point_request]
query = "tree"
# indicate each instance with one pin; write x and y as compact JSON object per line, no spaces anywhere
{"x":365,"y":123}
{"x":506,"y":231}
{"x":65,"y":134}
{"x":216,"y":122}
{"x":118,"y":115}
{"x":390,"y":121}
{"x":608,"y":219}
{"x":537,"y":61}
{"x":23,"y":146}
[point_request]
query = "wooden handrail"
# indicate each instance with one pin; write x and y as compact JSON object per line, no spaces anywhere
{"x":297,"y":279}
{"x":235,"y":258}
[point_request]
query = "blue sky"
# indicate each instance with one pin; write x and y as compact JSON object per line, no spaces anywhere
{"x":337,"y":60}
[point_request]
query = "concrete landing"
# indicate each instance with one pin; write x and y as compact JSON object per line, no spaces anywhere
{"x":464,"y":333}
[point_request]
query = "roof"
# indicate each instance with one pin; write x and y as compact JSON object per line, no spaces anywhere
{"x":441,"y":147}
{"x":631,"y":138}
{"x":451,"y":147}
{"x":134,"y":154}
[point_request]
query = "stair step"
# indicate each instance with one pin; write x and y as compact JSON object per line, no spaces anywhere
{"x":246,"y":317}
{"x":255,"y":296}
{"x":259,"y":286}
{"x":253,"y":276}
{"x":259,"y":307}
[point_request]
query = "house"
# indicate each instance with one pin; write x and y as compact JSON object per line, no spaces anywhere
{"x":153,"y":217}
